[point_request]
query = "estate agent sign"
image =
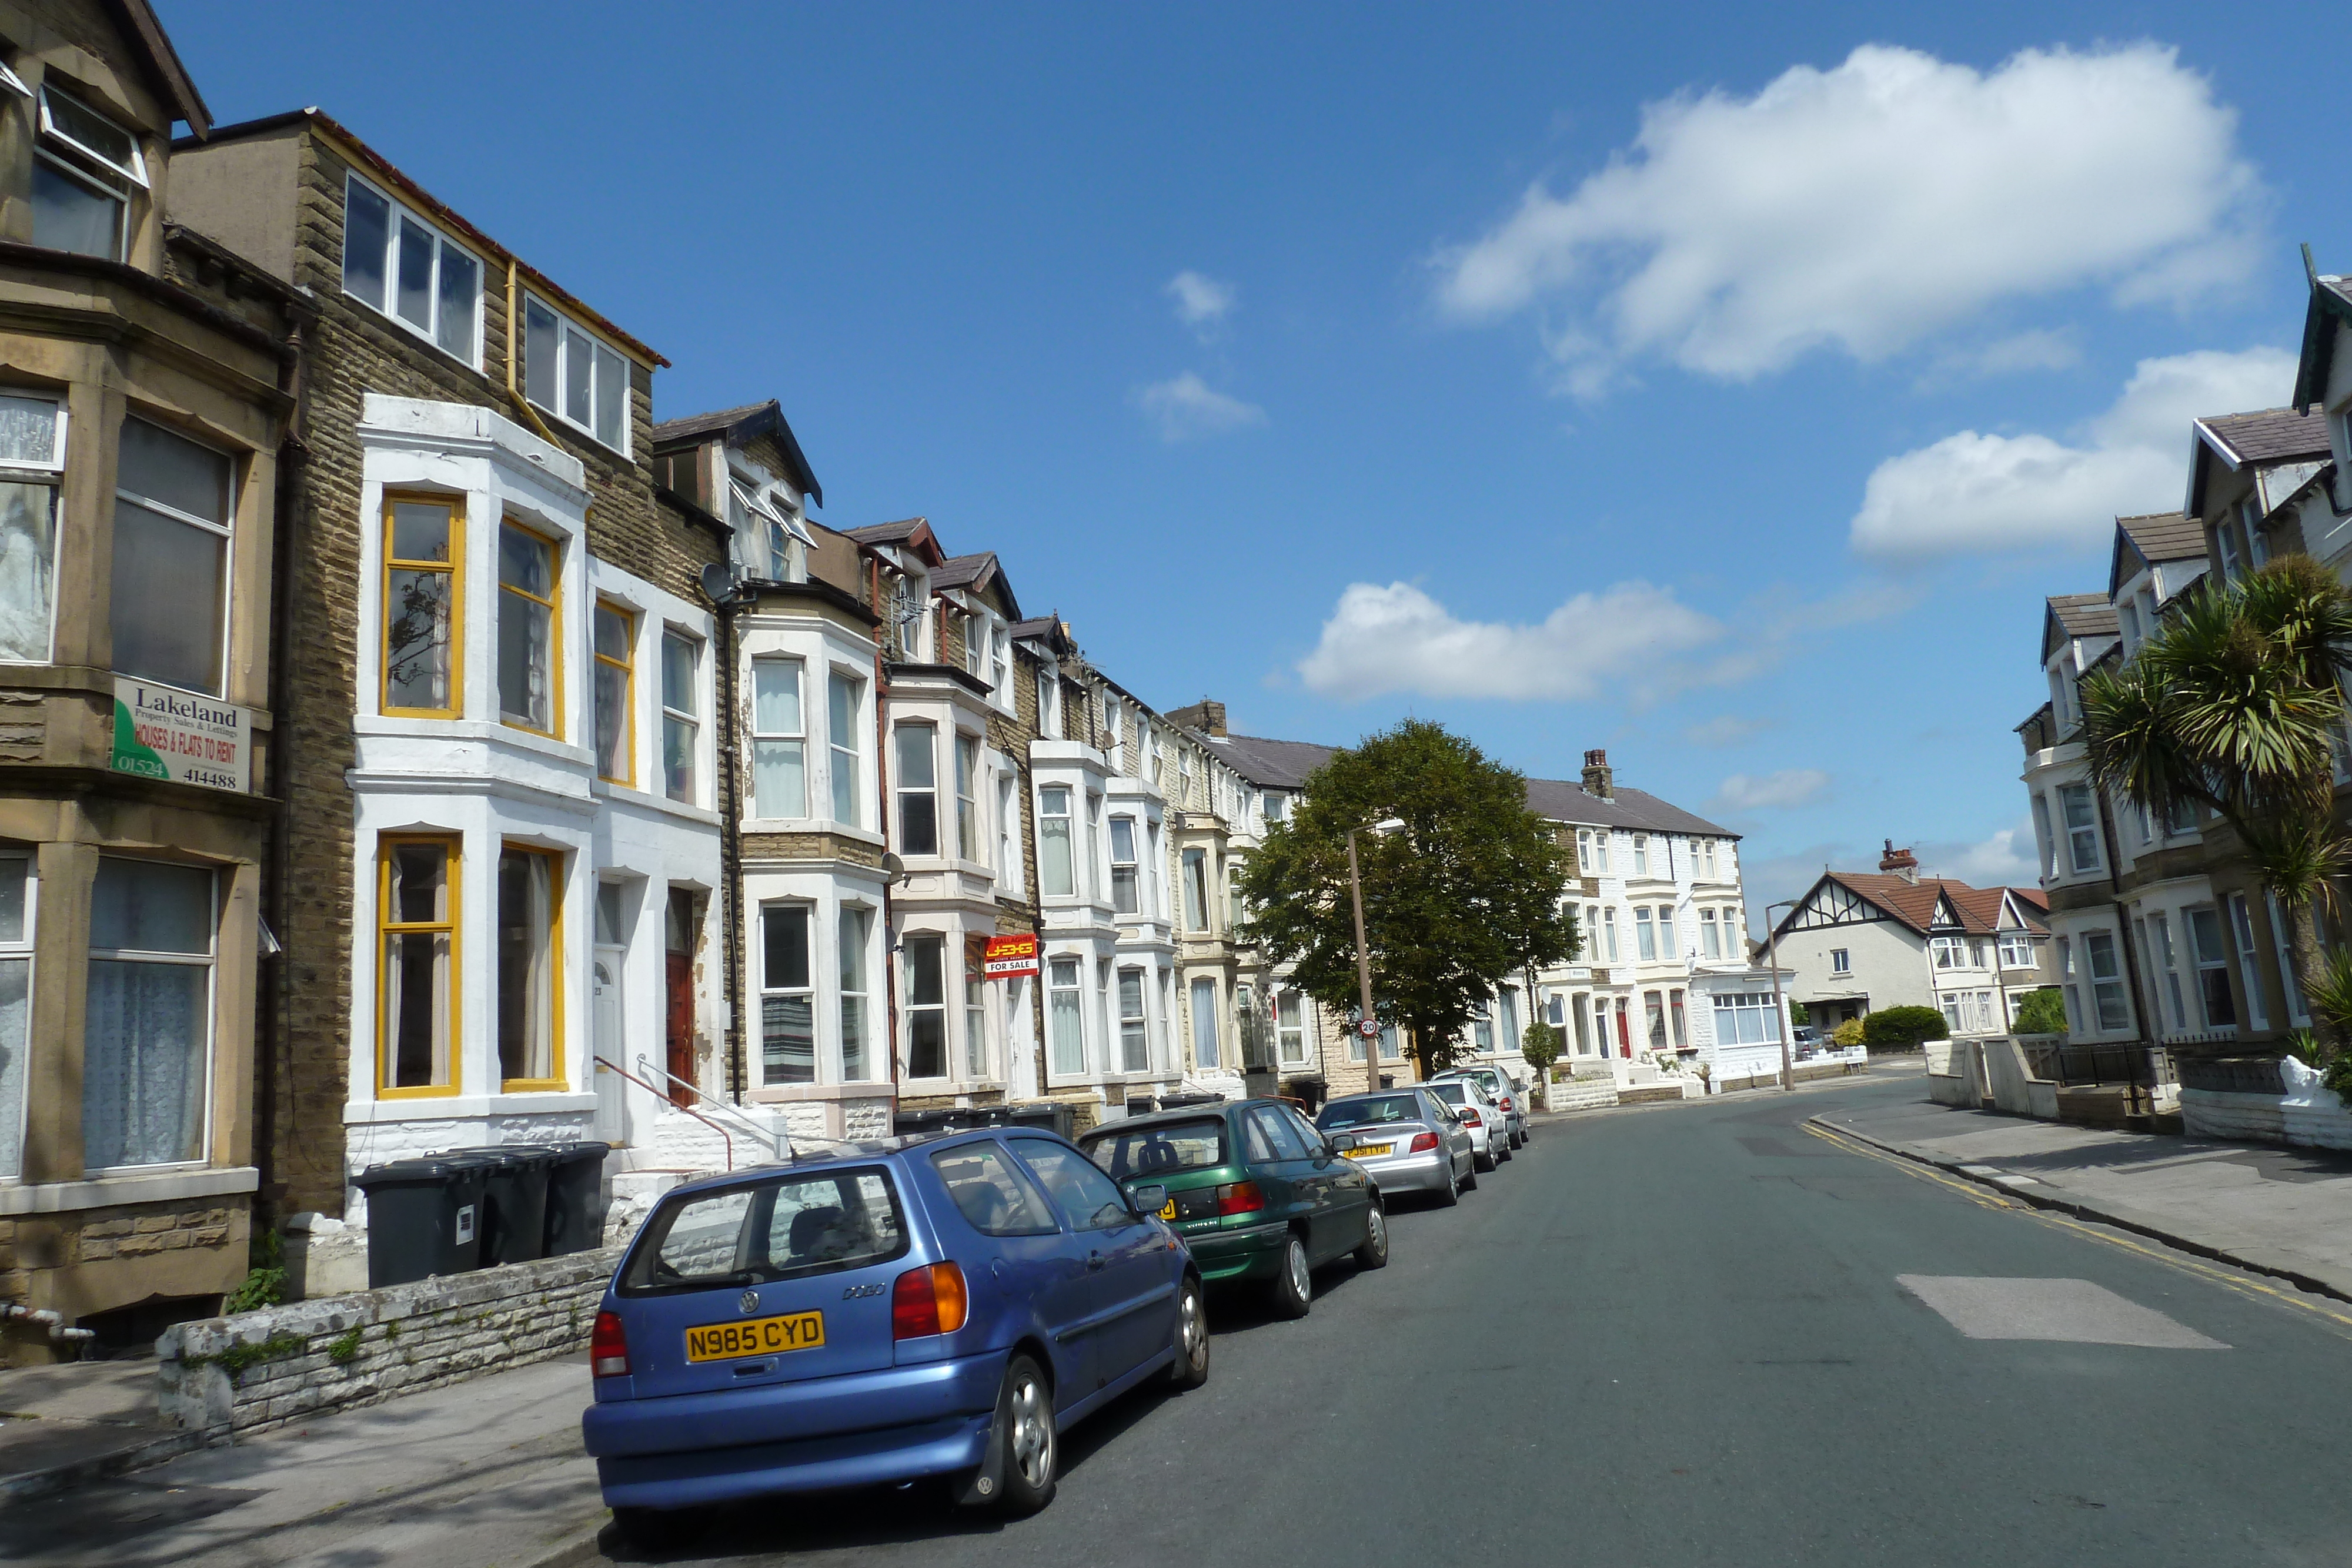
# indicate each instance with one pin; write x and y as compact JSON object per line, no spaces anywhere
{"x":161,"y":732}
{"x":1010,"y":957}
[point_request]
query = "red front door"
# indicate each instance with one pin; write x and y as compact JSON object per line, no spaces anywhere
{"x":1624,"y":1032}
{"x":679,"y":967}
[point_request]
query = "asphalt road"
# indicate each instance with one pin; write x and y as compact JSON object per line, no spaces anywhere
{"x":1682,"y":1336}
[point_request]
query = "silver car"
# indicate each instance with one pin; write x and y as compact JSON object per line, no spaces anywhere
{"x":1504,"y":1091}
{"x":1407,"y":1140}
{"x":1489,"y":1129}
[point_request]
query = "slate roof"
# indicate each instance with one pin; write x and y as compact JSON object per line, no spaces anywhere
{"x":2266,"y":435}
{"x":743,"y":424}
{"x":668,"y":430}
{"x":1915,"y":903}
{"x":2331,"y":302}
{"x":895,"y":533}
{"x":969,"y":570}
{"x":1563,"y":802}
{"x":2084,"y":614}
{"x":2165,"y":536}
{"x":1276,"y":764}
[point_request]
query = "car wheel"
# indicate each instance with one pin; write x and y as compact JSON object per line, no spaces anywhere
{"x":1191,"y":1367}
{"x":1374,"y":1252}
{"x":1294,"y":1286}
{"x":655,"y":1529}
{"x":1504,"y":1152}
{"x":1485,"y":1162}
{"x":1470,"y":1182}
{"x":1452,"y":1192}
{"x":1025,"y":1414}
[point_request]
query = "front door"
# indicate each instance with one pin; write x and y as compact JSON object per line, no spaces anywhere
{"x":677,"y":1014}
{"x":1625,"y":1031}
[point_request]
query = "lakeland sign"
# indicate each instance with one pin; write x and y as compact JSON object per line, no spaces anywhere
{"x":161,"y":732}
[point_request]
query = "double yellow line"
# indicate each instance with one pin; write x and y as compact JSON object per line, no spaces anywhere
{"x":2333,"y":1313}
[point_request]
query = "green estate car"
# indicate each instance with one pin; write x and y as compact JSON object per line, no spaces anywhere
{"x":1255,"y":1190}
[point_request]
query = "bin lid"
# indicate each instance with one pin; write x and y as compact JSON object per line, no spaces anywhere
{"x":425,"y":1170}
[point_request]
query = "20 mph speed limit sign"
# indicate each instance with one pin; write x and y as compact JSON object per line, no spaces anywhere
{"x":1368,"y":1028}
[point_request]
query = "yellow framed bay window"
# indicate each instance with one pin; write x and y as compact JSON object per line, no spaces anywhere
{"x":616,"y":693}
{"x":530,"y":969}
{"x":416,"y":966}
{"x":424,"y":607}
{"x":530,"y":609}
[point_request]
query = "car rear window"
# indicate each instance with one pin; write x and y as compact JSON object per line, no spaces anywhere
{"x":783,"y":1229}
{"x":1454,"y":1094}
{"x":1369,"y":1109}
{"x":1157,"y":1151}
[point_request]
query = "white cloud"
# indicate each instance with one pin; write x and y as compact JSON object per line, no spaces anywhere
{"x":1398,"y":639}
{"x":2037,"y":349}
{"x":1872,"y":204}
{"x":1186,"y":407}
{"x":2007,"y":858}
{"x":1974,"y":491}
{"x":1200,"y":301}
{"x":1788,"y":787}
{"x":1725,"y":729}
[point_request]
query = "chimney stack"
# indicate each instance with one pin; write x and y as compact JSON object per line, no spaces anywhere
{"x":1598,"y":781}
{"x":1901,"y":862}
{"x":1207,"y":716}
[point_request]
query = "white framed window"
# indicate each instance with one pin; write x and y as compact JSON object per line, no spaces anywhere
{"x":2212,"y":956}
{"x":787,"y":995}
{"x":966,"y":760}
{"x":1208,"y":1053}
{"x":1640,"y":854}
{"x":1666,"y":947}
{"x":1601,"y":853}
{"x":1841,"y":961}
{"x":2017,"y":951}
{"x":573,"y":375}
{"x":1746,"y":1018}
{"x":1482,"y":1027}
{"x":32,"y":477}
{"x":2241,"y":928}
{"x":1290,"y":1028}
{"x":1049,"y":705}
{"x":926,"y":1005}
{"x":1710,"y":940}
{"x":402,"y":267}
{"x":1948,"y":952}
{"x":999,"y":652}
{"x":1196,"y":890}
{"x":1134,"y":1026}
{"x":2159,"y":933}
{"x":2107,"y":981}
{"x":857,"y":929}
{"x":85,"y":167}
{"x":779,"y":738}
{"x":19,"y":890}
{"x":615,"y":634}
{"x":1645,"y":937}
{"x":169,"y":604}
{"x":1008,"y":833}
{"x":1706,"y":857}
{"x":13,"y":82}
{"x":844,"y":704}
{"x":918,"y":788}
{"x":1124,"y":872}
{"x":148,"y":1035}
{"x":1066,"y":1017}
{"x":1584,"y":851}
{"x":1608,"y":931}
{"x":975,"y":1010}
{"x":1055,"y":872}
{"x":681,"y":716}
{"x":2082,"y":826}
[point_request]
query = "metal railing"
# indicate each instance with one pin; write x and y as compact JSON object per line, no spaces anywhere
{"x":778,"y":1144}
{"x":2232,"y":1074}
{"x":606,"y":1064}
{"x":2125,"y":1064}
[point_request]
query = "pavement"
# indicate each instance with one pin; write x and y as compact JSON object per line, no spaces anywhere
{"x":68,"y":1425}
{"x":1704,"y":1335}
{"x":2285,"y":1212}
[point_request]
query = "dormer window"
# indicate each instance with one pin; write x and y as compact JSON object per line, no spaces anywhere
{"x":83,"y":174}
{"x":401,"y":266}
{"x":574,"y":377}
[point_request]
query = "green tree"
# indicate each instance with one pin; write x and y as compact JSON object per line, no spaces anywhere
{"x":2232,"y":707}
{"x":1539,"y":1047}
{"x":1901,"y":1028}
{"x":2042,"y":1012}
{"x":1797,"y":1015}
{"x":1465,"y":892}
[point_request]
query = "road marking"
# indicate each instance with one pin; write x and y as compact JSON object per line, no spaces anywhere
{"x":2065,"y":1312}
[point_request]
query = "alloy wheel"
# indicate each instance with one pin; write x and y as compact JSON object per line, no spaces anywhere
{"x":1033,"y":1433}
{"x":1302,"y":1284}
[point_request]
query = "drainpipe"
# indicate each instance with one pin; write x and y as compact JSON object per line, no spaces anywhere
{"x":2123,"y":940}
{"x":730,"y":852}
{"x":882,"y":818}
{"x":278,"y":986}
{"x":514,"y":392}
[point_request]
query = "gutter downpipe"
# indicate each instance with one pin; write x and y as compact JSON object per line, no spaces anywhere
{"x":885,"y":630}
{"x":290,"y":449}
{"x":514,"y":394}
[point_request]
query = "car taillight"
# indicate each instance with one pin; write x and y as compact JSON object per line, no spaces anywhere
{"x":608,"y":1347}
{"x":927,"y":1301}
{"x":1472,"y":1118}
{"x":1240,"y":1197}
{"x":1506,"y":1102}
{"x":1423,"y":1143}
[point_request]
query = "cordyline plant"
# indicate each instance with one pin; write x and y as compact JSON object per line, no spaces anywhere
{"x":1465,"y":893}
{"x":2234,"y":705}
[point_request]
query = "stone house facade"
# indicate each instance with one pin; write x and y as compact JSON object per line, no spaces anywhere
{"x":143,"y":410}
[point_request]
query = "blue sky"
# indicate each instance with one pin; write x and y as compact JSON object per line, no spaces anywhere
{"x":1682,"y":381}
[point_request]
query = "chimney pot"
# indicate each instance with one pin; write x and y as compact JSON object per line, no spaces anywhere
{"x":1599,"y":779}
{"x":1899,"y":862}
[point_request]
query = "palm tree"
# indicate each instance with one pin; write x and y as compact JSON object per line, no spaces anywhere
{"x":2235,"y":704}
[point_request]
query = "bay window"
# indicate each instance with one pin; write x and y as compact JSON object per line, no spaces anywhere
{"x":574,"y":376}
{"x":1134,"y":1028}
{"x":530,"y":954}
{"x":1608,"y":931}
{"x":1653,"y":1012}
{"x":1710,"y":942}
{"x":845,"y":699}
{"x":423,"y":539}
{"x":1053,"y":858}
{"x":170,"y":595}
{"x":2212,"y":966}
{"x":787,"y":996}
{"x":927,"y":1008}
{"x":1482,"y":1027}
{"x":681,"y":715}
{"x":975,"y":1007}
{"x":2107,"y":981}
{"x":402,"y":267}
{"x":32,"y":474}
{"x":967,"y":761}
{"x":417,"y":929}
{"x":855,"y":925}
{"x":1123,"y":868}
{"x":616,"y":719}
{"x":1745,"y":1018}
{"x":527,"y":655}
{"x":2082,"y":826}
{"x":1675,"y":1011}
{"x":1207,"y":1054}
{"x":1064,"y":1017}
{"x":148,"y":1031}
{"x":778,"y":743}
{"x":1645,"y":938}
{"x":1948,"y":952}
{"x":2241,"y":928}
{"x":85,"y":167}
{"x":16,"y":898}
{"x":1667,"y":948}
{"x":1196,"y":890}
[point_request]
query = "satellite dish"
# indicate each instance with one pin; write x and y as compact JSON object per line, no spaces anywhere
{"x":718,"y":582}
{"x":893,"y":869}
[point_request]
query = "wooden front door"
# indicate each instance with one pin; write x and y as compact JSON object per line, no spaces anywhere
{"x":679,"y":1025}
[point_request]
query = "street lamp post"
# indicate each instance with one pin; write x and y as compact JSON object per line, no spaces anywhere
{"x":1780,"y":1010}
{"x":1368,"y":1028}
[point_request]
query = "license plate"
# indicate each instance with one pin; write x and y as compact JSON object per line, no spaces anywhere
{"x":755,"y":1336}
{"x":1168,"y":1211}
{"x":1368,"y":1150}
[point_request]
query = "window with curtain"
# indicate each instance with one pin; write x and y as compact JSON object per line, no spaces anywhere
{"x":168,"y":606}
{"x":574,"y":376}
{"x":147,"y":1036}
{"x":975,"y":1009}
{"x":17,"y":899}
{"x":857,"y":925}
{"x":1054,"y":857}
{"x":1654,"y":1007}
{"x":1064,"y":1017}
{"x":31,"y":470}
{"x":1290,"y":1026}
{"x":1196,"y":890}
{"x":1206,"y":1053}
{"x":526,"y":628}
{"x":2107,"y":981}
{"x":527,"y":960}
{"x":925,"y":1007}
{"x":1675,"y":1011}
{"x":2082,"y":826}
{"x":616,"y":726}
{"x":1510,"y":1000}
{"x":404,"y":268}
{"x":1745,"y":1018}
{"x":844,"y":696}
{"x":1608,"y":931}
{"x":421,"y":544}
{"x":1123,"y":867}
{"x":1134,"y":1032}
{"x":1640,"y":854}
{"x":778,"y":756}
{"x":1482,"y":1027}
{"x":1710,"y":943}
{"x":1667,"y":946}
{"x":417,"y":925}
{"x":787,"y":999}
{"x":681,"y":715}
{"x":1646,"y":936}
{"x":917,"y":787}
{"x":967,"y":763}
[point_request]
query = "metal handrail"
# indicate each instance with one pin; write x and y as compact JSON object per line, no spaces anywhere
{"x":773,"y":1140}
{"x":611,"y":1066}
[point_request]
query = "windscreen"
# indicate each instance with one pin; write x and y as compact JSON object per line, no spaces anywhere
{"x":1159,"y":1151}
{"x":1371,"y":1111}
{"x":779,"y":1230}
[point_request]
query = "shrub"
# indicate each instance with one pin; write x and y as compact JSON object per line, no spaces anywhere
{"x":2042,"y":1012}
{"x":1797,"y":1013}
{"x":1847,"y":1034}
{"x":1541,"y":1045}
{"x":1902,"y":1029}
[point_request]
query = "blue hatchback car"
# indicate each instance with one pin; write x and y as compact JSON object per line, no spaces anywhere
{"x":912,"y":1307}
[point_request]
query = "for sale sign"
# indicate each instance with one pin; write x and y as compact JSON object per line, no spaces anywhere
{"x":1010,"y":957}
{"x":161,"y":732}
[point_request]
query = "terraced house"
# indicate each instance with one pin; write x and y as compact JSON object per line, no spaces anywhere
{"x":503,"y":839}
{"x":143,"y":406}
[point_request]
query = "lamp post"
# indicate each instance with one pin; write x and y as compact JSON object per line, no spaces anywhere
{"x":1366,"y":1022}
{"x":1780,"y":1010}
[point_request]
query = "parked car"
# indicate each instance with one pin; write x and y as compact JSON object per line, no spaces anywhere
{"x":1255,"y":1190}
{"x":1504,"y":1091}
{"x":1408,"y":1139}
{"x":1480,"y":1116}
{"x":932,"y":1305}
{"x":1805,"y":1041}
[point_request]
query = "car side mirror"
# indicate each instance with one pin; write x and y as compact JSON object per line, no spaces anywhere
{"x":1147,"y":1200}
{"x":1340,"y":1143}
